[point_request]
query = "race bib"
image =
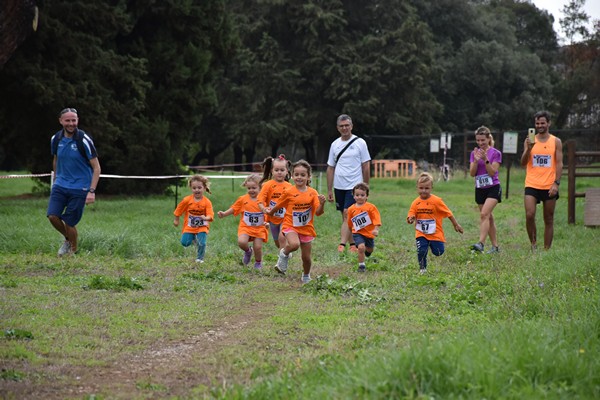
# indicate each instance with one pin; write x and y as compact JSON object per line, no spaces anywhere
{"x":426,"y":226}
{"x":483,"y":181}
{"x":195,"y":222}
{"x":361,"y":221}
{"x":254,"y":218}
{"x":542,"y":160}
{"x":301,"y":218}
{"x":279,"y":213}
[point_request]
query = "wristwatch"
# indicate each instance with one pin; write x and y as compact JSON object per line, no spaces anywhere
{"x":557,"y":183}
{"x":487,"y":161}
{"x":92,"y":190}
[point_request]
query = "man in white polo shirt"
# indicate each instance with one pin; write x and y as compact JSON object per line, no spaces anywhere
{"x":348,"y":164}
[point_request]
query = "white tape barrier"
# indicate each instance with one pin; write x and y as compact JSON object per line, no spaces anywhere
{"x":130,"y":176}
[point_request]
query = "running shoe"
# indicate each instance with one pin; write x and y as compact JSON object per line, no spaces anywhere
{"x":247,"y":256}
{"x":477,"y":247}
{"x":65,"y":248}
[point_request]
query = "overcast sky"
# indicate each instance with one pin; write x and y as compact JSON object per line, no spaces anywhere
{"x":592,"y":8}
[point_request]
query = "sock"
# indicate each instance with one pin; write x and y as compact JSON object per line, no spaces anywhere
{"x":361,"y":264}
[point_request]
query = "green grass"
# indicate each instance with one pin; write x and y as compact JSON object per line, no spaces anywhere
{"x":134,"y":307}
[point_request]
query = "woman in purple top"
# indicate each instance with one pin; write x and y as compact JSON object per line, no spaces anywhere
{"x":485,"y":162}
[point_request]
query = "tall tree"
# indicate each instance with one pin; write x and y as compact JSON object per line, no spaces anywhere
{"x":140,"y":74}
{"x":578,"y":93}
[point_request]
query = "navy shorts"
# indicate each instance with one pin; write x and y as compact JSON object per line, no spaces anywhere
{"x":539,"y":194}
{"x":67,"y":204}
{"x":358,"y":239}
{"x":492,"y":192}
{"x":343,"y":199}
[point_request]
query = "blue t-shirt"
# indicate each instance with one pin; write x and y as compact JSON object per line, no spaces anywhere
{"x":72,"y":170}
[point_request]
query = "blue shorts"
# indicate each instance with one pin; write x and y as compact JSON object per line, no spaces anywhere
{"x":343,"y":199}
{"x":67,"y":204}
{"x":358,"y":239}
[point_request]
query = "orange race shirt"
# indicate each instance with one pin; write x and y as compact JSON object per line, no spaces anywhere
{"x":252,"y":220}
{"x":192,"y":209}
{"x":269,"y":195}
{"x":300,"y":208}
{"x":429,"y":215}
{"x":541,"y":167}
{"x":363,"y":219}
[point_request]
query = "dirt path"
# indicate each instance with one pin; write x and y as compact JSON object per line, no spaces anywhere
{"x":165,"y":369}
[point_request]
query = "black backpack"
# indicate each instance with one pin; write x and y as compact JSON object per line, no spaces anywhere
{"x":78,"y":136}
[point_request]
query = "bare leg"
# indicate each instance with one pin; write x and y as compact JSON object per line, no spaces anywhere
{"x":243,"y":242}
{"x":530,"y":204}
{"x":345,"y":233}
{"x":549,"y":206}
{"x":306,"y":249}
{"x":258,"y":244}
{"x":292,"y":243}
{"x":485,"y":219}
{"x":58,"y":224}
{"x":72,"y":237}
{"x":361,"y":253}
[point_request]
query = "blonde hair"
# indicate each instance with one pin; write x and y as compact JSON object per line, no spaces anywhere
{"x":252,"y":178}
{"x":199,"y":178}
{"x":424,"y":178}
{"x":485,"y":131}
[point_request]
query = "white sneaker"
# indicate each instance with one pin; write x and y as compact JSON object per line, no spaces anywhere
{"x":306,"y":279}
{"x":65,"y":248}
{"x":199,"y":260}
{"x":282,"y":263}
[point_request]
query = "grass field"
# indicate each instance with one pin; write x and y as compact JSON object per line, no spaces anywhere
{"x":131,"y":316}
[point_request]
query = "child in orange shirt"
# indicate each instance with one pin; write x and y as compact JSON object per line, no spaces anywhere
{"x":301,"y":203}
{"x":364,"y":222}
{"x":252,"y":227}
{"x":198,"y":212}
{"x":428,"y":211}
{"x":274,"y":181}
